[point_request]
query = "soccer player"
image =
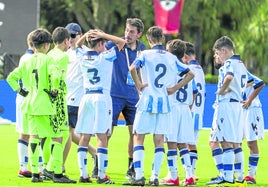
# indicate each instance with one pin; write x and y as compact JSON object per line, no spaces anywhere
{"x":53,"y":170}
{"x":254,"y":124}
{"x":158,"y":68}
{"x":37,"y":105}
{"x":123,"y":91}
{"x":22,"y":123}
{"x":95,"y":109}
{"x":181,"y":123}
{"x":232,"y":84}
{"x":74,"y":83}
{"x":199,"y":102}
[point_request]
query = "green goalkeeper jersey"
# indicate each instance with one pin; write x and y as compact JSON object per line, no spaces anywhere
{"x":35,"y":73}
{"x":61,"y":60}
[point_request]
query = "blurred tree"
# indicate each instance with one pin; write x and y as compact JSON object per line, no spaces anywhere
{"x":202,"y":22}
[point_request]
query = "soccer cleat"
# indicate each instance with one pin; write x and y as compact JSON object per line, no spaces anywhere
{"x":37,"y":179}
{"x":189,"y":182}
{"x":48,"y":175}
{"x":135,"y":182}
{"x":220,"y":182}
{"x":105,"y":180}
{"x":85,"y":180}
{"x":241,"y":184}
{"x":63,"y":179}
{"x":154,"y":182}
{"x":215,"y":180}
{"x":130,"y":173}
{"x":170,"y":182}
{"x":250,"y":180}
{"x":25,"y":173}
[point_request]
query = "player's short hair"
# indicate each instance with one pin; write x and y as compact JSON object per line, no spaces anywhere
{"x":155,"y":33}
{"x":177,"y":47}
{"x":136,"y":22}
{"x":60,"y":34}
{"x":189,"y":48}
{"x":29,"y":40}
{"x":41,"y":36}
{"x":224,"y":41}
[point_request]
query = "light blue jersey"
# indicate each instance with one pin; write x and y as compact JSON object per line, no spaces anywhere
{"x":236,"y":68}
{"x":257,"y":82}
{"x":97,"y":70}
{"x":158,"y":68}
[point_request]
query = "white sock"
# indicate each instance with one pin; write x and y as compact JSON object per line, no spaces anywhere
{"x":228,"y":159}
{"x":138,"y":161}
{"x":23,"y":154}
{"x":185,"y":158}
{"x":102,"y":153}
{"x":172,"y":160}
{"x":82,"y":161}
{"x":159,"y":153}
{"x":239,"y":164}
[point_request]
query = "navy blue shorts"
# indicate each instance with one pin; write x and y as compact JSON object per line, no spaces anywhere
{"x":72,"y":115}
{"x":127,"y":107}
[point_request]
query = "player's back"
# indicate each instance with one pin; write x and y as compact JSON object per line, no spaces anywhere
{"x":237,"y":86}
{"x":37,"y":70}
{"x":159,"y":66}
{"x":201,"y":86}
{"x":97,"y":70}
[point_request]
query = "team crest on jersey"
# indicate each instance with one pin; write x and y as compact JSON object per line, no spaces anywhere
{"x":168,"y":4}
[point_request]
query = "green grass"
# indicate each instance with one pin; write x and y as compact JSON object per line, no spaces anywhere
{"x":117,"y":160}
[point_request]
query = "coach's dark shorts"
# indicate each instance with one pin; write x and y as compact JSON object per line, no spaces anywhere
{"x":73,"y":115}
{"x":127,"y":107}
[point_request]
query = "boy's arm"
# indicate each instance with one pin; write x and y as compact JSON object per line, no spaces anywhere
{"x":96,"y":34}
{"x":224,"y":89}
{"x":188,"y":77}
{"x":136,"y":78}
{"x":81,"y":40}
{"x":252,"y":96}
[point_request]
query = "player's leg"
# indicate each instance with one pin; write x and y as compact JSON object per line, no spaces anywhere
{"x":252,"y":161}
{"x":102,"y":152}
{"x":193,"y":157}
{"x":129,"y":112}
{"x":172,"y":179}
{"x":186,"y":162}
{"x":23,"y":142}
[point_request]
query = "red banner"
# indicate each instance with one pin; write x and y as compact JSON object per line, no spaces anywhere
{"x":167,"y":15}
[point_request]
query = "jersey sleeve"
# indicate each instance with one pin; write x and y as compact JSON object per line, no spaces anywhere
{"x":13,"y":78}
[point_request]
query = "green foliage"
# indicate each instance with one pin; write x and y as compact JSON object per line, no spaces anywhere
{"x":211,"y":79}
{"x":202,"y":22}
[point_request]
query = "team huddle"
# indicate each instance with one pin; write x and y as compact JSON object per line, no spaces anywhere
{"x":79,"y":88}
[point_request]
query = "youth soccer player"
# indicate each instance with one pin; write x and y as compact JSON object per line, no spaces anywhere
{"x":254,"y":124}
{"x":95,"y":109}
{"x":22,"y":126}
{"x":35,"y":73}
{"x":158,"y":67}
{"x":199,"y":100}
{"x":75,"y":91}
{"x":181,"y":123}
{"x":232,"y":84}
{"x":53,"y":170}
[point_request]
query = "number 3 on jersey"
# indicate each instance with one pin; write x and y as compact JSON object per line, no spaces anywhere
{"x":93,"y":76}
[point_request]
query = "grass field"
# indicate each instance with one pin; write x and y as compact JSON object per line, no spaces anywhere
{"x":117,"y":160}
